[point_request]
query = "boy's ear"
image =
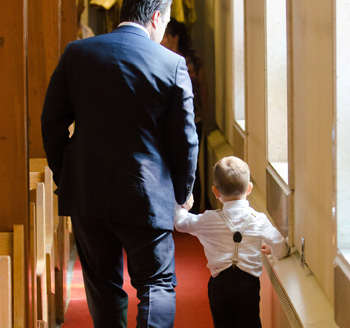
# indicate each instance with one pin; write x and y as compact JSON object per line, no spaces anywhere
{"x":250,"y":188}
{"x":216,"y":192}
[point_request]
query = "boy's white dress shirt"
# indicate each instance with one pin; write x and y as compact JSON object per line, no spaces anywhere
{"x":217,"y":239}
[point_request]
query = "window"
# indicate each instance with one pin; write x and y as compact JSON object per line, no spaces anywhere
{"x":276,"y":70}
{"x":342,"y":126}
{"x":238,"y":62}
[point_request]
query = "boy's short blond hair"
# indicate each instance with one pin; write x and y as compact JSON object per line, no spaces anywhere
{"x":231,"y":176}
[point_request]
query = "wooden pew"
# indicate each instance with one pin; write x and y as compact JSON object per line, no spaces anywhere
{"x":44,"y":175}
{"x":49,"y":229}
{"x":33,"y":285}
{"x":42,"y":324}
{"x":37,"y":196}
{"x":62,"y":246}
{"x":36,"y":177}
{"x":57,"y":243}
{"x":50,"y":246}
{"x":5,"y":292}
{"x":12,"y":245}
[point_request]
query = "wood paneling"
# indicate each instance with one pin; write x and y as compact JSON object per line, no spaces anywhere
{"x":341,"y":292}
{"x":51,"y":25}
{"x":6,"y":292}
{"x":255,"y":83}
{"x":13,"y":116}
{"x":277,"y":200}
{"x":313,"y":92}
{"x":43,"y":55}
{"x":223,"y":67}
{"x":13,"y":120}
{"x":68,"y":23}
{"x":30,"y":46}
{"x":239,"y":142}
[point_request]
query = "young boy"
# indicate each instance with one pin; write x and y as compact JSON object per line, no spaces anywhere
{"x":232,"y":240}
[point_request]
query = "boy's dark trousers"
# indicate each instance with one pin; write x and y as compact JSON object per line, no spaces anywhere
{"x":234,"y":299}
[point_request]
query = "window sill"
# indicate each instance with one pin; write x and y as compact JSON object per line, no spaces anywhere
{"x":241,"y":124}
{"x":343,"y":258}
{"x":304,"y":301}
{"x":342,"y":288}
{"x":281,"y":169}
{"x":307,"y":301}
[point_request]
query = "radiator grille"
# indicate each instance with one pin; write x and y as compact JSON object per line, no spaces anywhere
{"x":286,"y":305}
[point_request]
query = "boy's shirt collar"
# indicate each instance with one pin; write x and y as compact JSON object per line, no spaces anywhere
{"x":235,"y":204}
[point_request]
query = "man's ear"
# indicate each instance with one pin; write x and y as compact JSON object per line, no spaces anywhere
{"x":250,"y":188}
{"x":155,"y":18}
{"x":216,"y":192}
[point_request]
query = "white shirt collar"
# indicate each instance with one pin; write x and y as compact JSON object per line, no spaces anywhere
{"x":236,"y":203}
{"x":135,"y":25}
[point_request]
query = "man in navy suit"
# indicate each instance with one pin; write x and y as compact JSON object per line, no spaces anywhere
{"x":132,"y":156}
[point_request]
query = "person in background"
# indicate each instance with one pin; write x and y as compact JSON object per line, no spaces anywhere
{"x":176,"y":38}
{"x":232,"y":240}
{"x":83,"y":31}
{"x":132,"y":156}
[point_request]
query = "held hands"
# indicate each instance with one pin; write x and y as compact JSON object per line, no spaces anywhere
{"x":266,"y":249}
{"x":189,"y":203}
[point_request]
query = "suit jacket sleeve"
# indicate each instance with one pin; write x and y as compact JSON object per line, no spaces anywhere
{"x":56,"y":118}
{"x":181,"y":135}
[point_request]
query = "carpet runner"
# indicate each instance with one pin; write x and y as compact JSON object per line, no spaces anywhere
{"x":192,"y":305}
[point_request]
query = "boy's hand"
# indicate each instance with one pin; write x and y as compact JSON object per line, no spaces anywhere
{"x":266,"y":249}
{"x":189,"y":203}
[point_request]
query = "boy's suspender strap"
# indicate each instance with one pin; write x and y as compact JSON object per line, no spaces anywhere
{"x":237,"y":235}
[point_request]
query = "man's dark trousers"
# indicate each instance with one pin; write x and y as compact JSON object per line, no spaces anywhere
{"x":150,"y":259}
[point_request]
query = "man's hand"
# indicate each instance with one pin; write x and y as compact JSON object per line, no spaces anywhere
{"x":189,"y":203}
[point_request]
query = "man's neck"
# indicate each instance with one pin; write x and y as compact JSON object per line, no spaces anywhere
{"x":144,"y":28}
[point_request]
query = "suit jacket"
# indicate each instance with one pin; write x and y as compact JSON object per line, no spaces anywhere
{"x":134,"y":149}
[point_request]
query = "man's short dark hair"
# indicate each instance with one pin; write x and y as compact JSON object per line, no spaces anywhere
{"x":141,"y":11}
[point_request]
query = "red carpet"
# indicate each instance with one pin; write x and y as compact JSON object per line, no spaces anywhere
{"x":192,"y":305}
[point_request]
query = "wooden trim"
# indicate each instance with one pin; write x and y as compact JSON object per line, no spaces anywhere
{"x":19,"y":310}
